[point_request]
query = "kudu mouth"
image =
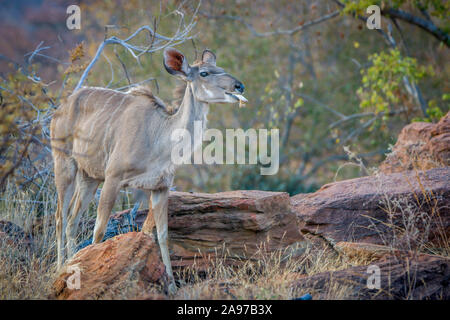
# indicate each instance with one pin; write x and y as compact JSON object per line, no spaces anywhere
{"x":239,"y":97}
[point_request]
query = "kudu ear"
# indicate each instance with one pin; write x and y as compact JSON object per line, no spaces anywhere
{"x":176,"y":64}
{"x":209,"y":57}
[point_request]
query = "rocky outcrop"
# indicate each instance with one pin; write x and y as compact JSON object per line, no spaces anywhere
{"x":422,"y":277}
{"x":350,"y":216}
{"x":363,"y":251}
{"x":420,"y":145}
{"x":364,"y":209}
{"x":377,"y":220}
{"x":128,"y":266}
{"x":382,"y":220}
{"x":203,"y":225}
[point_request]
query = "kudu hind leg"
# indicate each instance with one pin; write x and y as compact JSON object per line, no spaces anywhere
{"x":111,"y":188}
{"x":65,"y":172}
{"x":159,"y":201}
{"x":84,"y":193}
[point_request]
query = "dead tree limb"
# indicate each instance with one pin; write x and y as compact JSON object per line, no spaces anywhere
{"x":288,"y":32}
{"x":157,"y":42}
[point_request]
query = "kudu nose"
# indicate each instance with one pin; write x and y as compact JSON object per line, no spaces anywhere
{"x":239,"y":86}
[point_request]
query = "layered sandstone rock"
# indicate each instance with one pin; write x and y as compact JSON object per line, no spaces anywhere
{"x":127,"y":266}
{"x":420,"y":277}
{"x":420,"y":145}
{"x":363,"y":251}
{"x":383,"y":220}
{"x":365,"y":209}
{"x":237,"y":224}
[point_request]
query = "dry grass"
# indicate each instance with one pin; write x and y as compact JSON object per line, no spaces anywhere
{"x":265,"y":275}
{"x":414,"y":224}
{"x":28,"y":273}
{"x":412,"y":156}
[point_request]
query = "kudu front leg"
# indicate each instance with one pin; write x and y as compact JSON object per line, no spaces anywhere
{"x":159,"y":201}
{"x":149,"y":222}
{"x":107,"y":199}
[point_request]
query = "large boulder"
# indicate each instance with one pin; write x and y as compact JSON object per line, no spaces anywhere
{"x":407,"y":277}
{"x":379,"y":209}
{"x":238,"y":223}
{"x":128,"y":266}
{"x":420,"y":145}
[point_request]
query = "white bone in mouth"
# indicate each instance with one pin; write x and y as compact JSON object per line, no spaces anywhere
{"x":242,"y":100}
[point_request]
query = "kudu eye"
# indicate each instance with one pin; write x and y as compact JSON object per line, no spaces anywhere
{"x":204,"y":74}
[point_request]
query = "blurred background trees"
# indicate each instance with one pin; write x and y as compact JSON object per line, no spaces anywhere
{"x":311,"y":68}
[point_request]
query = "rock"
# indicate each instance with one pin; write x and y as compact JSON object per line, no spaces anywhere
{"x":363,"y":251}
{"x":241,"y":221}
{"x":202,"y":225}
{"x":116,"y":226}
{"x":13,"y":235}
{"x":128,"y":266}
{"x":360,"y":210}
{"x":422,"y":277}
{"x":440,"y":140}
{"x":420,"y":145}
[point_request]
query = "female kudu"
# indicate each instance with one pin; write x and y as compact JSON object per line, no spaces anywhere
{"x":124,"y":140}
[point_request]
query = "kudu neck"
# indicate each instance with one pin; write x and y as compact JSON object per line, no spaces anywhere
{"x":190,"y":110}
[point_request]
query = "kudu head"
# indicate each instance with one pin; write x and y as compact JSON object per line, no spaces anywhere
{"x":209,"y":82}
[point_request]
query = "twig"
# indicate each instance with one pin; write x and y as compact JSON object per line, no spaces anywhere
{"x":123,"y":67}
{"x":136,"y":84}
{"x":276,"y":32}
{"x":157,"y":43}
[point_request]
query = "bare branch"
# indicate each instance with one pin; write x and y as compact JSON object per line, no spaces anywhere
{"x":157,"y":42}
{"x":111,"y":68}
{"x":426,"y":25}
{"x":411,"y":87}
{"x":137,"y":83}
{"x":321,"y":104}
{"x":124,"y":67}
{"x":338,"y":157}
{"x":365,"y":114}
{"x":276,"y":32}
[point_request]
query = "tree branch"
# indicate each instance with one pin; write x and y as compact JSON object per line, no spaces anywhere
{"x":339,"y":157}
{"x":157,"y":43}
{"x":276,"y":32}
{"x":426,"y":25}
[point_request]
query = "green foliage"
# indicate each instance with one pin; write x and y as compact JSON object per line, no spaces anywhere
{"x":436,"y":8}
{"x":249,"y":178}
{"x":359,"y":6}
{"x":434,"y":112}
{"x":383,"y":82}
